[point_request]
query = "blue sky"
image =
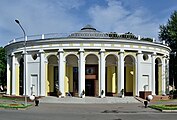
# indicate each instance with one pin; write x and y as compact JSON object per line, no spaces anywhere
{"x":141,"y":17}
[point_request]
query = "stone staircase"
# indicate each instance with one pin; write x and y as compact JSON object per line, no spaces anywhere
{"x":88,"y":100}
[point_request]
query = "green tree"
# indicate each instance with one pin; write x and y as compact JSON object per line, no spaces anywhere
{"x":147,"y":39}
{"x":2,"y":66}
{"x":168,"y":32}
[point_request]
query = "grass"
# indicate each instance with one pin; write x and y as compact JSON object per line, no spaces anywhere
{"x":164,"y":107}
{"x":14,"y":105}
{"x":11,"y":98}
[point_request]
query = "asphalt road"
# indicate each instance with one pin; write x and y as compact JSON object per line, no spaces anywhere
{"x":87,"y":112}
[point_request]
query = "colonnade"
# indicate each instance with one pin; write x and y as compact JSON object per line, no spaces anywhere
{"x":11,"y":72}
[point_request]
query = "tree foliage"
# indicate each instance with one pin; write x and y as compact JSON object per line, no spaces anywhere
{"x":168,"y":33}
{"x":147,"y":39}
{"x":2,"y":66}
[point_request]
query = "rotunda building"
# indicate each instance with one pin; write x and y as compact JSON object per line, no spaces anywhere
{"x":86,"y":63}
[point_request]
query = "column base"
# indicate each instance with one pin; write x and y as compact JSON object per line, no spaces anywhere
{"x":119,"y":94}
{"x":61,"y":96}
{"x":102,"y":96}
{"x":82,"y":96}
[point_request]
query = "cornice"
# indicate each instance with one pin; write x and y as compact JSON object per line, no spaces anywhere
{"x":112,"y":42}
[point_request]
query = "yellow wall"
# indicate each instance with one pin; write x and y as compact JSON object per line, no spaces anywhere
{"x":66,"y":85}
{"x":129,"y":79}
{"x":70,"y":70}
{"x":111,"y":79}
{"x":69,"y":79}
{"x":17,"y":79}
{"x":160,"y":80}
{"x":134,"y":81}
{"x":47,"y":80}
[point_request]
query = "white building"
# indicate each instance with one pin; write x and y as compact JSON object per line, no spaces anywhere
{"x":90,"y":61}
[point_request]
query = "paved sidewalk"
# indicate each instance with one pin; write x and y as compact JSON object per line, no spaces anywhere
{"x":88,"y":100}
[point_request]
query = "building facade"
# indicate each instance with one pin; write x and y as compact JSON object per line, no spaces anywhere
{"x":87,"y":61}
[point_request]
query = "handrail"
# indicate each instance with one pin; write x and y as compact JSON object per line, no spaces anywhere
{"x":64,"y":35}
{"x":41,"y":36}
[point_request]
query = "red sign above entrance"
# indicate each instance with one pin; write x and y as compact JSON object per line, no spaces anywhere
{"x":90,"y":77}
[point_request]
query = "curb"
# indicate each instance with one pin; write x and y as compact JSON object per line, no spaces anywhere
{"x":169,"y":111}
{"x":165,"y":111}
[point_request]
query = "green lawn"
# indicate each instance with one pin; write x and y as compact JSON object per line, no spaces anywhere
{"x":14,"y":105}
{"x":12,"y":98}
{"x":12,"y":102}
{"x":164,"y":107}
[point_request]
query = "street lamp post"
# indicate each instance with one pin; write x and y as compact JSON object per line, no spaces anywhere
{"x":18,"y":22}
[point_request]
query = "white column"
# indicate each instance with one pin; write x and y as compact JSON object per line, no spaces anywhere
{"x":163,"y":75}
{"x":13,"y":75}
{"x":102,"y":73}
{"x":81,"y":73}
{"x":42,"y":73}
{"x":138,"y":73}
{"x":61,"y":72}
{"x":8,"y":75}
{"x":167,"y":77}
{"x":120,"y":72}
{"x":153,"y":73}
{"x":27,"y":87}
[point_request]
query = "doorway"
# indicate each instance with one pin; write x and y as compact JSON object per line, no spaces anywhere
{"x":129,"y":76}
{"x":158,"y":76}
{"x":89,"y":88}
{"x":91,"y":80}
{"x":34,"y":85}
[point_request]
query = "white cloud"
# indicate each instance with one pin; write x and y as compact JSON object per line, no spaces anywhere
{"x":116,"y":17}
{"x":57,"y":16}
{"x":37,"y":17}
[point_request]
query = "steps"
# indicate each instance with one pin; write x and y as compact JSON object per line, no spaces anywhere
{"x":88,"y":100}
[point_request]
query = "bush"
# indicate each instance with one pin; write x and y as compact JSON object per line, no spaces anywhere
{"x":173,"y":92}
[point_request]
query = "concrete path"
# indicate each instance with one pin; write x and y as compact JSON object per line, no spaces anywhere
{"x":88,"y":100}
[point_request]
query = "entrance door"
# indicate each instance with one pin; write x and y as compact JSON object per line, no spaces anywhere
{"x":56,"y":87}
{"x":89,"y":88}
{"x":34,"y":85}
{"x":91,"y":75}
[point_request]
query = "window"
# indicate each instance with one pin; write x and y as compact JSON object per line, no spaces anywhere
{"x":34,"y":56}
{"x":145,"y":57}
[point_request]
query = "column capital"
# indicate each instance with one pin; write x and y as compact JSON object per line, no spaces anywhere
{"x":60,"y":50}
{"x":41,"y":51}
{"x":121,"y":51}
{"x":12,"y":54}
{"x":81,"y":50}
{"x":24,"y":52}
{"x":139,"y":52}
{"x":154,"y":54}
{"x":102,"y":50}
